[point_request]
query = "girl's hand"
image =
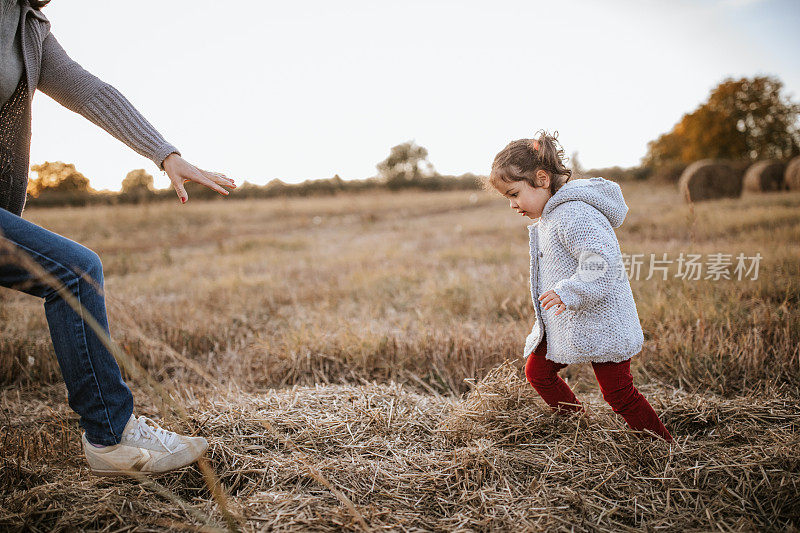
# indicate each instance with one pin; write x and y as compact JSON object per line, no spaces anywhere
{"x":180,"y":171}
{"x":550,"y":299}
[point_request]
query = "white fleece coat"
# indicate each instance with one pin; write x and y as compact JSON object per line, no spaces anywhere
{"x":575,"y":252}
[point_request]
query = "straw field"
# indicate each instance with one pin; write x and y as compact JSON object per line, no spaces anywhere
{"x":354,"y":363}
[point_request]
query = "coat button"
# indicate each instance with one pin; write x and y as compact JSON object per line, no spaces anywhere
{"x":541,"y":254}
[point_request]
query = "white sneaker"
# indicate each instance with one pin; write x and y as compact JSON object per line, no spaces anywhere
{"x":145,"y":448}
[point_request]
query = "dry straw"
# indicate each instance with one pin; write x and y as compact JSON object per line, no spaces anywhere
{"x":166,"y":400}
{"x":15,"y":255}
{"x":382,"y":457}
{"x":386,"y":457}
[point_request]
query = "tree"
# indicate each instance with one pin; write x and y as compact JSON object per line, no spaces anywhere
{"x":58,"y":176}
{"x":745,"y":119}
{"x":406,"y":165}
{"x":138,"y":185}
{"x":137,"y":180}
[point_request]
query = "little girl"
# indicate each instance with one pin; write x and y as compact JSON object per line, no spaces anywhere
{"x":582,"y":298}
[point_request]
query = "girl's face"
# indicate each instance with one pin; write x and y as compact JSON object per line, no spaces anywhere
{"x":525,"y":199}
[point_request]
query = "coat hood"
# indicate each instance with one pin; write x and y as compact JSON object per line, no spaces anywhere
{"x":602,"y":194}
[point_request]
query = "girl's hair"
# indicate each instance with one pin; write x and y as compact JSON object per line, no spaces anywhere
{"x":520,"y":160}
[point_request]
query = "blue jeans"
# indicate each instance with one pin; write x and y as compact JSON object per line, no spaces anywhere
{"x":95,"y":387}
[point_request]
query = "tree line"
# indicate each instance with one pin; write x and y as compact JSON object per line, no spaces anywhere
{"x":406,"y":167}
{"x":742,"y":121}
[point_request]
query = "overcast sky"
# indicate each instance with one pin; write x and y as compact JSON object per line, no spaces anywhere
{"x":300,"y":90}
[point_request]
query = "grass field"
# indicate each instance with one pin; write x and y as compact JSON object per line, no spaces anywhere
{"x":345,"y":358}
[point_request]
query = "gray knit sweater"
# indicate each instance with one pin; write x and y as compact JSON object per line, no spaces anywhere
{"x":575,"y":253}
{"x":10,"y":52}
{"x":49,"y":69}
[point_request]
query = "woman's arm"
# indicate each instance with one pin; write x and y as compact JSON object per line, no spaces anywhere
{"x":72,"y":86}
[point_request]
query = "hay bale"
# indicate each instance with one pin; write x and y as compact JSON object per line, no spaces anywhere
{"x":709,"y":179}
{"x":792,"y":175}
{"x":765,"y":176}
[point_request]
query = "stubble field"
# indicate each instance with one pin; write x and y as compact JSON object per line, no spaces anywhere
{"x":345,"y":358}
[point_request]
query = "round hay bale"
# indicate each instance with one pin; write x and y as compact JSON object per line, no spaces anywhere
{"x":708,"y":179}
{"x":764,"y":176}
{"x":792,"y":175}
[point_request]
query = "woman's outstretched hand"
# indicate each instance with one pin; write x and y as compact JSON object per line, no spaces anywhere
{"x":180,"y":171}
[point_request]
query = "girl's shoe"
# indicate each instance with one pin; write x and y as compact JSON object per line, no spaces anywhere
{"x":145,"y":448}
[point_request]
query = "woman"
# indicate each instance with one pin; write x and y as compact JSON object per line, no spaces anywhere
{"x":114,"y":441}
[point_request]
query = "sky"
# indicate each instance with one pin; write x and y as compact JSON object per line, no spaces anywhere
{"x":306,"y":90}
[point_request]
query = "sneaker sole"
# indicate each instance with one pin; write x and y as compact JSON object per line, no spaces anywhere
{"x":136,"y":473}
{"x":115,"y":473}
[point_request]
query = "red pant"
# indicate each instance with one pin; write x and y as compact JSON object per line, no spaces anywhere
{"x":616,"y":384}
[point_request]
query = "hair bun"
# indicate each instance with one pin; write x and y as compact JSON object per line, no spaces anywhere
{"x":523,"y":158}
